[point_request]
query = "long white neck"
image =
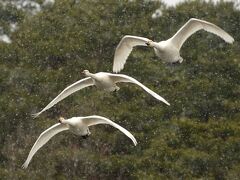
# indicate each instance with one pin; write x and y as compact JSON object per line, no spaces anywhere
{"x":70,"y":122}
{"x":63,"y":121}
{"x":88,"y":74}
{"x":155,"y":45}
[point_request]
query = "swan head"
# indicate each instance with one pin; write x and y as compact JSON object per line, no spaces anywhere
{"x":149,"y":43}
{"x":85,"y":72}
{"x":61,"y":119}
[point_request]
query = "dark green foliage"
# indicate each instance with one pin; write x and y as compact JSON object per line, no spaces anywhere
{"x":198,"y":136}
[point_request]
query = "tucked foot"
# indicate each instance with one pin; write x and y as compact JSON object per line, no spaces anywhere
{"x":114,"y":91}
{"x":85,"y":136}
{"x":177,"y":62}
{"x":180,"y":60}
{"x":117,"y":89}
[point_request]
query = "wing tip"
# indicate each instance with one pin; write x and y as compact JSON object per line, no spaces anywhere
{"x":25,"y":165}
{"x":164,"y":101}
{"x":230,"y":40}
{"x":135,"y":142}
{"x":35,"y":115}
{"x":117,"y":69}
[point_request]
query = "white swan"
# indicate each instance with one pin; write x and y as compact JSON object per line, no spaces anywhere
{"x":78,"y":126}
{"x":167,"y":50}
{"x":103,"y":80}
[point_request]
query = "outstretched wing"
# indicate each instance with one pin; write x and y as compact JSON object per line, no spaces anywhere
{"x":124,"y":78}
{"x":94,"y":120}
{"x":124,"y":48}
{"x":43,"y":139}
{"x":194,"y":25}
{"x":68,"y":91}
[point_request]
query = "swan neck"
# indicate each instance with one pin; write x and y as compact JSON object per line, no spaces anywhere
{"x":90,"y":75}
{"x":155,"y":45}
{"x":64,"y":121}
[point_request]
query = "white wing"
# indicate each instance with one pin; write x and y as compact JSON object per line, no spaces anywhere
{"x":124,"y":48}
{"x":94,"y":120}
{"x":124,"y":78}
{"x":68,"y":91}
{"x":194,"y":25}
{"x":43,"y":139}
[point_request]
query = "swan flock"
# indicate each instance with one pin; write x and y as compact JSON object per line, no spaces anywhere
{"x":168,"y":51}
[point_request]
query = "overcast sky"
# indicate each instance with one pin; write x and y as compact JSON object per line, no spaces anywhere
{"x":173,"y":2}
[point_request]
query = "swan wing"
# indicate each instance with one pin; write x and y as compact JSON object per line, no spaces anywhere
{"x":43,"y":139}
{"x":94,"y":120}
{"x":194,"y":25}
{"x":124,"y":78}
{"x":124,"y":48}
{"x":68,"y":91}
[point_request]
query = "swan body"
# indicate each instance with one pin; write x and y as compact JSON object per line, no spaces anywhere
{"x":168,"y":50}
{"x":78,"y":126}
{"x":103,"y":80}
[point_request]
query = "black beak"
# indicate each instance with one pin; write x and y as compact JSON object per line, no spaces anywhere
{"x":85,"y":136}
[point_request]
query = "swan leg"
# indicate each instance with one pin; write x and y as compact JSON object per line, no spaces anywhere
{"x":117,"y":88}
{"x":180,"y":60}
{"x":85,"y":136}
{"x":177,"y":62}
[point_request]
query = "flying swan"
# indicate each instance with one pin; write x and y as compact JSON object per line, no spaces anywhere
{"x":78,"y":126}
{"x":103,"y":80}
{"x":167,"y":50}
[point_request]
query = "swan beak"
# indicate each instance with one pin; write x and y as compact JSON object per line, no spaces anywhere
{"x":60,"y":119}
{"x":83,"y":73}
{"x":149,"y":43}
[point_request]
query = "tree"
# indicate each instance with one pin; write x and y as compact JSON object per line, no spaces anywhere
{"x":196,"y":137}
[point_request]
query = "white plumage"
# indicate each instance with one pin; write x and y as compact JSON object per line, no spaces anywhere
{"x":78,"y":126}
{"x":103,"y":80}
{"x":167,"y":50}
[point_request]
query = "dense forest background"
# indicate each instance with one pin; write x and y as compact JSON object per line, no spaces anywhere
{"x":198,"y":136}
